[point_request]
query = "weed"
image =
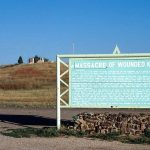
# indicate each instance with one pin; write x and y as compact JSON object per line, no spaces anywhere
{"x":137,"y":140}
{"x":72,"y":132}
{"x":28,"y":132}
{"x":109,"y":136}
{"x":147,"y":133}
{"x":53,"y":132}
{"x":48,"y":132}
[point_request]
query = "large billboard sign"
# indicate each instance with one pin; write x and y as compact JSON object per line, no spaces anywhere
{"x":103,"y":81}
{"x":106,"y":83}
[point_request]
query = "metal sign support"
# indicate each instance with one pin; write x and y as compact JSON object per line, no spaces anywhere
{"x":58,"y":94}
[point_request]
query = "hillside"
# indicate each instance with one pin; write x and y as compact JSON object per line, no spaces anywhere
{"x":29,"y":84}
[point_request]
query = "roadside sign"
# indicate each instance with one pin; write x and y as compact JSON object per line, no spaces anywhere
{"x":104,"y":81}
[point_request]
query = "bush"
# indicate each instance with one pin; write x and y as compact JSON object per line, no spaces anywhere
{"x":28,"y":132}
{"x":147,"y":133}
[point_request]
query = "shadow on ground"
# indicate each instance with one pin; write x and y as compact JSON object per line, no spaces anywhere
{"x":30,"y":120}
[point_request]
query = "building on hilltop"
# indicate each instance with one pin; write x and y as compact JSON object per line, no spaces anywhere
{"x":37,"y":59}
{"x":31,"y":60}
{"x":41,"y":60}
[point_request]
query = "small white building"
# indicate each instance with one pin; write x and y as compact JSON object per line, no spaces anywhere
{"x":31,"y":60}
{"x":41,"y":60}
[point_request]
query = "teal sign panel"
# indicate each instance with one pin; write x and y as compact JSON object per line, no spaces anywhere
{"x":105,"y":83}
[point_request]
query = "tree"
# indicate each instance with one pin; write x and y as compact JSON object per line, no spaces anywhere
{"x":46,"y":60}
{"x":36,"y":58}
{"x":20,"y":60}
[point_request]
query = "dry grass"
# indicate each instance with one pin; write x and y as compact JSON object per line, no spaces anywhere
{"x":42,"y":95}
{"x":28,"y":85}
{"x":28,"y":76}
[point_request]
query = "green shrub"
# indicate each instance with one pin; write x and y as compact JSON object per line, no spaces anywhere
{"x":28,"y":132}
{"x":72,"y":132}
{"x":147,"y":133}
{"x":53,"y":132}
{"x":137,"y":140}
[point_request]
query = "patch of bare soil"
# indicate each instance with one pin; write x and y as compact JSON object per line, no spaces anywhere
{"x":62,"y":143}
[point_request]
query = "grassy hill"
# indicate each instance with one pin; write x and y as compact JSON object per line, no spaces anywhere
{"x":28,"y":85}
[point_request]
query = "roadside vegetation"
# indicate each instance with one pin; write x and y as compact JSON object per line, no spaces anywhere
{"x":53,"y":132}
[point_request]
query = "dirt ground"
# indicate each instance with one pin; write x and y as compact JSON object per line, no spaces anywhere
{"x":18,"y":118}
{"x":63,"y":143}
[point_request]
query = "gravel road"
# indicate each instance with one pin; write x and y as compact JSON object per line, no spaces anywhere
{"x":62,"y":143}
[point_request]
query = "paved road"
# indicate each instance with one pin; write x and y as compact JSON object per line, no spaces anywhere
{"x":47,"y":117}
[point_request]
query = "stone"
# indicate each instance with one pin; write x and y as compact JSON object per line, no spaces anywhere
{"x":108,"y":123}
{"x":143,"y":126}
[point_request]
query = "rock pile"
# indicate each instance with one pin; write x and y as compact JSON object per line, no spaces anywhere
{"x":133,"y":124}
